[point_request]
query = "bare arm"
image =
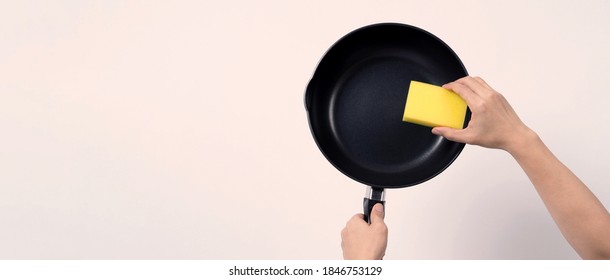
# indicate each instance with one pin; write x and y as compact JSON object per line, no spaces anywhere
{"x":580,"y":216}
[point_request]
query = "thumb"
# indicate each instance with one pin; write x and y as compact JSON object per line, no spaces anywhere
{"x":457,"y":135}
{"x":377,"y":214}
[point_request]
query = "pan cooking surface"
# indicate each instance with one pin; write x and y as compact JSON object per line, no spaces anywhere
{"x":367,"y":116}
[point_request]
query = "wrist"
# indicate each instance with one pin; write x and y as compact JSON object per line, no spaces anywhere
{"x":522,"y":141}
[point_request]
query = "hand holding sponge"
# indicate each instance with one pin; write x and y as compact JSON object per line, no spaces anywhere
{"x":434,"y":106}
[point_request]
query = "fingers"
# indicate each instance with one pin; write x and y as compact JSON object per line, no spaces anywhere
{"x":474,"y":91}
{"x":456,"y":135}
{"x":355,"y":220}
{"x":358,"y":217}
{"x":464,"y":91}
{"x":377,"y":214}
{"x":482,"y":82}
{"x":471,"y":89}
{"x":475,"y":85}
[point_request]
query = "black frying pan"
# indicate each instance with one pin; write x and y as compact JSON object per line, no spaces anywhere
{"x":355,"y":102}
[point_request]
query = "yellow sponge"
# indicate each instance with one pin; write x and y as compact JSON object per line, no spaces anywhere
{"x":433,"y":106}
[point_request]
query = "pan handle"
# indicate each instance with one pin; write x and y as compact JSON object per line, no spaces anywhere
{"x":372,"y":197}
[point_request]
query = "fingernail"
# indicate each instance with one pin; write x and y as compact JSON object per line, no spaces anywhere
{"x":435,"y":131}
{"x":378,"y":207}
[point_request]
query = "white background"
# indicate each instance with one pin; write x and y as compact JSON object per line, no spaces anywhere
{"x":176,"y":129}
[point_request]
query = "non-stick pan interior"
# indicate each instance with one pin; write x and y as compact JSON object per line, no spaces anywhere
{"x":356,"y":100}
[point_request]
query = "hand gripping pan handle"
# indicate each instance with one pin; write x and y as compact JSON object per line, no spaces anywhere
{"x":373,"y":196}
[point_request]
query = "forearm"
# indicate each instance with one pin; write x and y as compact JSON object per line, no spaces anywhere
{"x":580,"y":216}
{"x":582,"y":219}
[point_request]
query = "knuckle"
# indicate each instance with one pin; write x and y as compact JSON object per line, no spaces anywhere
{"x":479,"y":106}
{"x":496,"y":97}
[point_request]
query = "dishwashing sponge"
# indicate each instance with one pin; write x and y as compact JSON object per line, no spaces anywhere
{"x":433,"y":106}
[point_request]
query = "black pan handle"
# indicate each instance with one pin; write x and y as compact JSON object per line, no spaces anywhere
{"x":372,"y":197}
